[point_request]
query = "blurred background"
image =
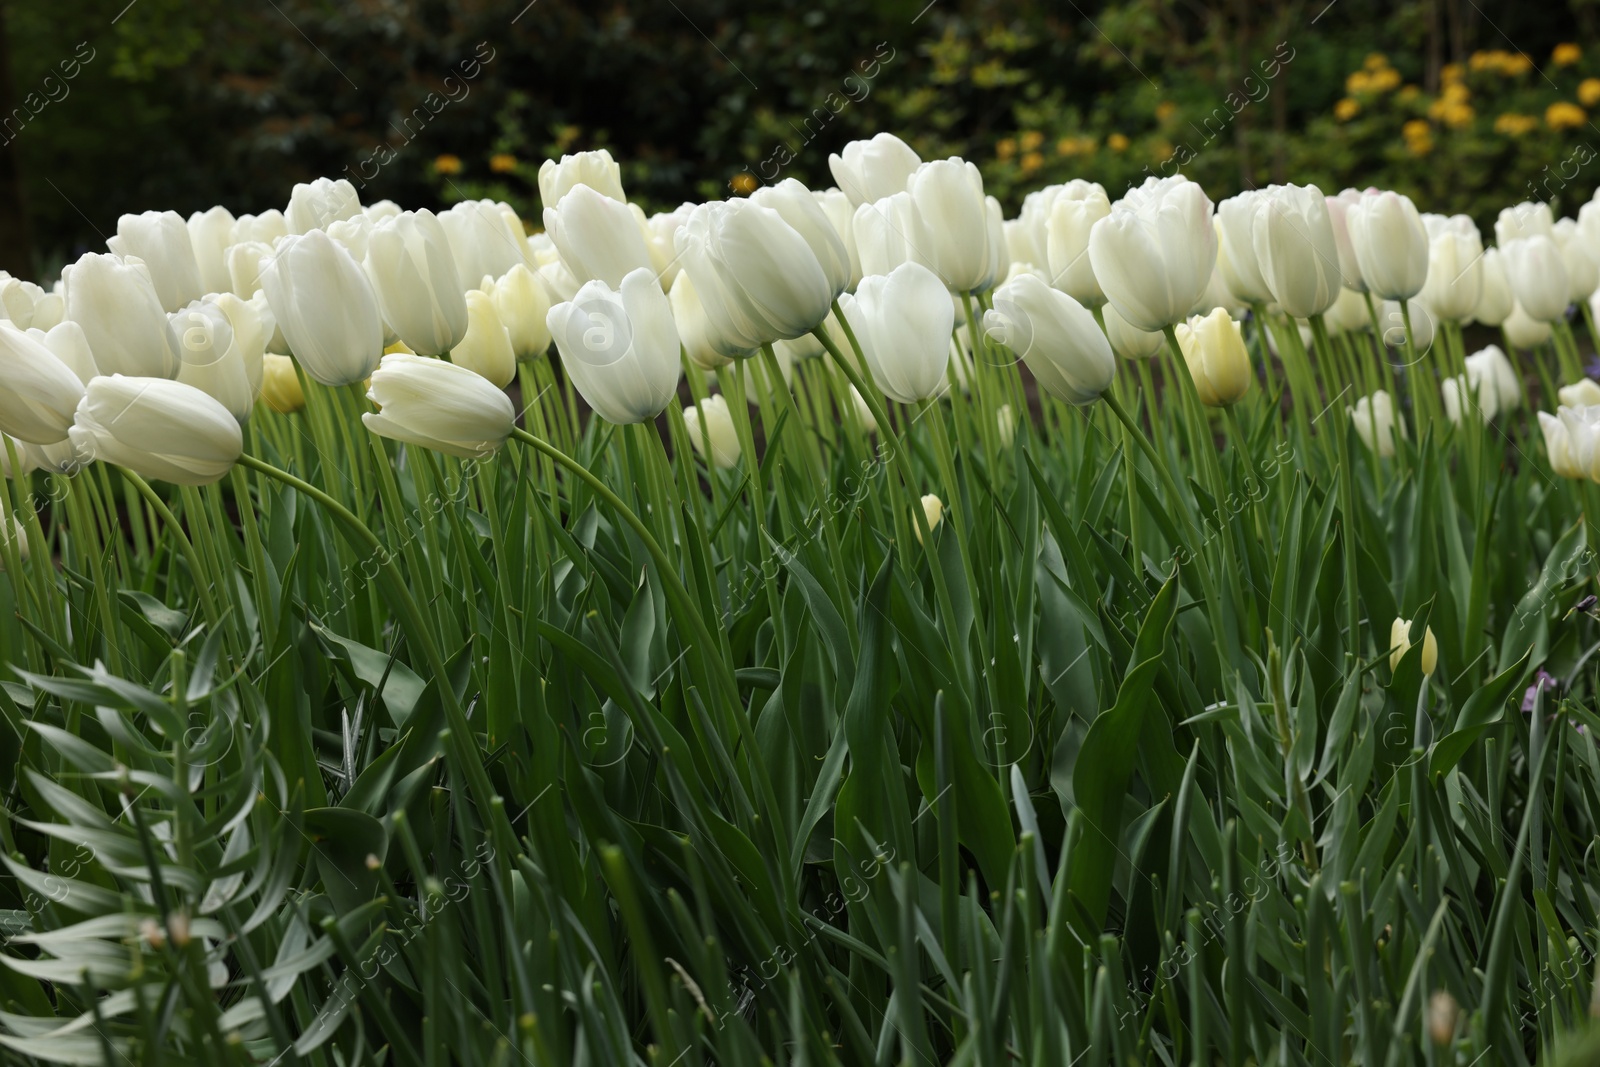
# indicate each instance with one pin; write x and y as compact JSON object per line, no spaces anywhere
{"x":109,"y":107}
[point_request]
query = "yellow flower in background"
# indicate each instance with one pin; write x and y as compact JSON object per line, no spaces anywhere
{"x":1006,"y":148}
{"x":1564,"y":115}
{"x":1031,"y":162}
{"x":1419,"y":137}
{"x":1075,"y":146}
{"x":1589,"y":92}
{"x":1409,"y":93}
{"x":1458,"y":115}
{"x":1452,"y":73}
{"x":1566,"y":53}
{"x":1512,"y":124}
{"x":1160,"y":150}
{"x":1346,"y":109}
{"x":1375,"y":61}
{"x":1517,"y":63}
{"x":502,"y":162}
{"x":1451,"y":108}
{"x":1164,"y":110}
{"x":1117,"y":143}
{"x":1031,"y":140}
{"x":1358,"y":82}
{"x":744,"y":183}
{"x":1384,"y":80}
{"x":447,"y":164}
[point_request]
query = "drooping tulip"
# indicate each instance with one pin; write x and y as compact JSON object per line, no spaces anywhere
{"x":318,"y":204}
{"x":595,"y":169}
{"x":1073,"y":214}
{"x":599,"y":237}
{"x":872,"y":169}
{"x":1400,"y":644}
{"x":439,"y":406}
{"x":1538,"y":276}
{"x":157,"y":428}
{"x":1295,"y":249}
{"x":620,"y":348}
{"x":210,"y":233}
{"x":522,"y":304}
{"x":161,"y":240}
{"x":280,"y":385}
{"x":951,"y":226}
{"x":324,"y":304}
{"x":756,"y":275}
{"x":1390,"y":244}
{"x":210,"y":356}
{"x":1153,"y":255}
{"x":1055,"y":336}
{"x":903,"y":322}
{"x":486,"y":345}
{"x":1236,"y":248}
{"x":1454,"y":288}
{"x":1495,"y":300}
{"x":40,"y":394}
{"x":711,"y":420}
{"x":1377,"y":422}
{"x":116,"y":304}
{"x":415,"y":280}
{"x":1213,"y":347}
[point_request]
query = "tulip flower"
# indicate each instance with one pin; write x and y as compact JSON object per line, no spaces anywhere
{"x":933,"y":512}
{"x":1454,"y":288}
{"x":1460,"y":394}
{"x":1583,"y":274}
{"x":9,"y":447}
{"x":1523,"y":220}
{"x":486,"y":346}
{"x":841,"y":213}
{"x":1213,"y":348}
{"x":869,"y":422}
{"x":264,"y":228}
{"x":325,"y":306}
{"x":353,"y":234}
{"x":49,"y":309}
{"x":210,"y":234}
{"x":620,"y":348}
{"x":710,"y":420}
{"x":1390,"y":244}
{"x":1538,"y":276}
{"x":439,"y":406}
{"x":1348,"y":314}
{"x":1582,"y":426}
{"x":1490,"y":372}
{"x":758,"y":277}
{"x":1295,"y":249}
{"x":319,"y":204}
{"x":522,"y":304}
{"x":480,"y":240}
{"x":795,"y":204}
{"x":870,"y":170}
{"x":1495,"y":302}
{"x":596,"y":169}
{"x":68,"y":343}
{"x":158,"y":429}
{"x":41,"y":393}
{"x":1154,"y":253}
{"x":1392,"y":320}
{"x":1400,"y":644}
{"x":599,"y":237}
{"x":951,"y":223}
{"x":244,"y":261}
{"x":903,"y":322}
{"x":211,"y":358}
{"x":19,"y":301}
{"x":116,"y":304}
{"x":1558,"y":446}
{"x":1580,"y":394}
{"x":880,"y":230}
{"x":661,"y":234}
{"x":1377,"y":423}
{"x":1073,"y":214}
{"x":415,"y":280}
{"x":1339,"y":216}
{"x":1236,"y":248}
{"x":1524,"y":331}
{"x":1128,"y":342}
{"x":1055,"y":336}
{"x":160,"y":239}
{"x":1005,"y":425}
{"x":280,"y":385}
{"x":705,"y":347}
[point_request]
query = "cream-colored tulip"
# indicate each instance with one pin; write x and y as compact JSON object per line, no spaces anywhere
{"x":1213,"y":347}
{"x":710,"y":425}
{"x":1400,"y":644}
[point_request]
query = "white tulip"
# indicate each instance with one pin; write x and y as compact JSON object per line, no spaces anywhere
{"x":596,"y":169}
{"x":25,"y":463}
{"x":873,"y":169}
{"x":1523,"y":331}
{"x":1236,"y":248}
{"x":661,"y":234}
{"x":1056,"y":336}
{"x":64,"y":457}
{"x":1523,"y":220}
{"x":324,"y":304}
{"x":1538,"y":276}
{"x":158,"y":429}
{"x":265,"y":227}
{"x":1348,"y":314}
{"x":161,"y":240}
{"x":1154,"y":253}
{"x":280,"y":385}
{"x":705,"y":347}
{"x":353,"y":233}
{"x":1582,"y":427}
{"x":1583,"y":274}
{"x":211,"y":358}
{"x":1390,"y":244}
{"x":869,"y":422}
{"x":48,"y":310}
{"x":1339,"y":215}
{"x":1392,"y":320}
{"x":1128,"y":342}
{"x":1491,"y":373}
{"x":1377,"y":422}
{"x":319,"y":204}
{"x":881,"y":230}
{"x":210,"y":233}
{"x":1073,"y":214}
{"x":67,"y":342}
{"x":1461,"y":394}
{"x":999,"y":262}
{"x":1558,"y":446}
{"x":522,"y":304}
{"x":245,"y":261}
{"x":41,"y":392}
{"x":480,"y":240}
{"x":712,"y":421}
{"x":486,"y":346}
{"x":1295,"y":248}
{"x":841,"y":213}
{"x":415,"y":280}
{"x":443,"y":407}
{"x":599,"y":237}
{"x":1454,"y":288}
{"x":1582,"y":393}
{"x":116,"y":304}
{"x":951,"y":223}
{"x":620,"y":348}
{"x":1213,"y":348}
{"x":903,"y":322}
{"x":1494,"y":304}
{"x":795,"y":204}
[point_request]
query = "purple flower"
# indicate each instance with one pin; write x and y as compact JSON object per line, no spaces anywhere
{"x":1541,"y":680}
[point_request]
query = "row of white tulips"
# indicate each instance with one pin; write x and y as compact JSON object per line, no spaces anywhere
{"x":153,"y":354}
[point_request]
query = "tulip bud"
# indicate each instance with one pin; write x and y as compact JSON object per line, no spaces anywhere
{"x":1055,"y":336}
{"x":480,"y":241}
{"x":1538,"y":276}
{"x":756,"y":275}
{"x":710,"y":421}
{"x":1390,"y":244}
{"x":1377,"y":423}
{"x":41,"y":393}
{"x":1495,"y":300}
{"x":596,"y":169}
{"x":1523,"y":331}
{"x":951,"y":223}
{"x":1236,"y":249}
{"x":841,"y":213}
{"x":1490,"y":371}
{"x":1339,"y":215}
{"x":210,"y":234}
{"x":319,"y":204}
{"x":486,"y":348}
{"x":1128,"y":342}
{"x":263,"y":228}
{"x":933,"y":512}
{"x":439,"y":406}
{"x":1155,"y":252}
{"x":325,"y":306}
{"x":522,"y":304}
{"x":1580,"y":394}
{"x":415,"y":280}
{"x":1213,"y":348}
{"x":1558,"y":446}
{"x":620,"y":349}
{"x":1454,"y":288}
{"x":158,"y":429}
{"x":1461,"y":396}
{"x":1443,"y":1014}
{"x":599,"y":237}
{"x":903,"y":322}
{"x":873,"y":169}
{"x":1583,"y":274}
{"x":880,"y":229}
{"x":1523,"y":220}
{"x":116,"y":304}
{"x":1072,"y":217}
{"x":1400,"y":644}
{"x":280,"y":385}
{"x":161,"y":240}
{"x":1295,"y":249}
{"x":211,"y":358}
